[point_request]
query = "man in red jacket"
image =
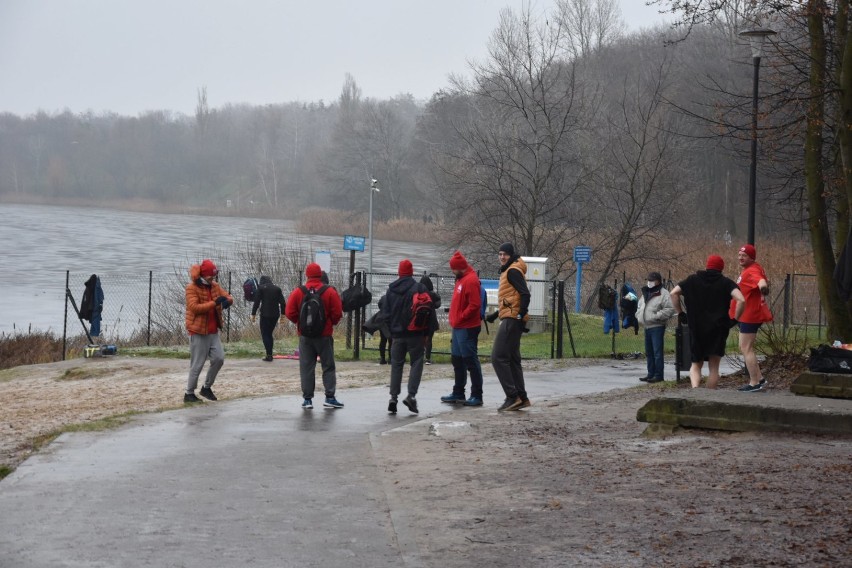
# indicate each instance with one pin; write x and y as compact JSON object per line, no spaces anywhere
{"x":321,"y":346}
{"x":755,"y":286}
{"x":465,"y":320}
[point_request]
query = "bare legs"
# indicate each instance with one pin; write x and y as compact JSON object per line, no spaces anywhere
{"x":713,"y":367}
{"x":750,"y":355}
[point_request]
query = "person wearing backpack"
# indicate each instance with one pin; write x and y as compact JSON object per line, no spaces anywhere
{"x":316,"y":308}
{"x":205,"y":302}
{"x":433,"y":321}
{"x":465,"y":320}
{"x":513,"y":300}
{"x":405,"y":304}
{"x":270,"y":300}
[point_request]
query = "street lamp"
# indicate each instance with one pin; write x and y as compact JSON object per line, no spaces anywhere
{"x":756,"y":37}
{"x":374,"y":183}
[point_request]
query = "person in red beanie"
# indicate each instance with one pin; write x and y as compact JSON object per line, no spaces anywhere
{"x":707,"y":295}
{"x":396,"y":304}
{"x":754,"y":286}
{"x":205,"y":302}
{"x":464,"y":342}
{"x":322,"y":345}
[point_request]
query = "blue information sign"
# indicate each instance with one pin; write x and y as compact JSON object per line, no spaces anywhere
{"x":351,"y":242}
{"x":582,"y":254}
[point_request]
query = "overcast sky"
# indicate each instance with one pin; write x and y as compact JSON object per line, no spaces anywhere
{"x":130,"y":56}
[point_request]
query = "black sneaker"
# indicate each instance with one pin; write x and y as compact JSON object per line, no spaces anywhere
{"x":189,"y":398}
{"x":207,"y":393}
{"x":392,"y":406}
{"x":753,"y":388}
{"x":268,"y":358}
{"x":511,"y":404}
{"x":645,"y":379}
{"x":411,"y":404}
{"x":653,"y":380}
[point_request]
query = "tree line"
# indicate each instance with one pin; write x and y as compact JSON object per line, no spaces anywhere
{"x":570,"y":131}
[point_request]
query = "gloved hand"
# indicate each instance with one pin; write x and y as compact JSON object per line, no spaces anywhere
{"x":223,"y":301}
{"x":526,"y":330}
{"x":682,"y":319}
{"x":492,"y":317}
{"x":253,"y":318}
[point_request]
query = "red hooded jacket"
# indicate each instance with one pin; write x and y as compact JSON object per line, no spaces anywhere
{"x":466,"y":301}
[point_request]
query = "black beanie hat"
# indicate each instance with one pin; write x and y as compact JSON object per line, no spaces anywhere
{"x":507,"y":248}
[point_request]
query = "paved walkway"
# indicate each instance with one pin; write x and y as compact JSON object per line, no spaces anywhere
{"x":255,"y":482}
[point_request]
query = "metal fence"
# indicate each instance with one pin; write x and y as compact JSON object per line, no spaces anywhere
{"x":149,"y":309}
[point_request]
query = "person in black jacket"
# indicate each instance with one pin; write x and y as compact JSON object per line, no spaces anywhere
{"x":396,"y":303}
{"x":271,"y":302}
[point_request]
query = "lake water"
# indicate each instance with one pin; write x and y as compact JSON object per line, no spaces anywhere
{"x":41,"y":243}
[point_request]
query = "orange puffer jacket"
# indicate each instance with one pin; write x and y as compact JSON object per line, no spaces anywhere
{"x":200,"y":300}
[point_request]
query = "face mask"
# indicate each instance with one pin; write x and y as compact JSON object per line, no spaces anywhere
{"x":651,"y":284}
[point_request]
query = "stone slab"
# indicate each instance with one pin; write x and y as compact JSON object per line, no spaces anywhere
{"x":742,"y":412}
{"x":830,"y":385}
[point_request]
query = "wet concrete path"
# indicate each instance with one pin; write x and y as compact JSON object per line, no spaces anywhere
{"x":256,"y":482}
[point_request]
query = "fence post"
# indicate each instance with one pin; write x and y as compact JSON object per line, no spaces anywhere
{"x":230,"y":287}
{"x":560,"y":303}
{"x":356,"y":354}
{"x":786,"y":320}
{"x":150,"y":292}
{"x":349,"y":315}
{"x":65,"y":318}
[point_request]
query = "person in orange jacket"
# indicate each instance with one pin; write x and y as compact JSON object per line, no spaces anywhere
{"x":205,"y":302}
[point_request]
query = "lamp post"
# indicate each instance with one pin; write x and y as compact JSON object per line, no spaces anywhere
{"x":756,"y":37}
{"x":374,"y":183}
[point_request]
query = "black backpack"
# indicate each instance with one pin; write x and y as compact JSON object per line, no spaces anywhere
{"x":312,"y":312}
{"x":606,"y":297}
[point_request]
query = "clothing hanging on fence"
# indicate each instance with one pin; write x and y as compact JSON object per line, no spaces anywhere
{"x":93,"y":304}
{"x":610,"y":320}
{"x":628,"y":304}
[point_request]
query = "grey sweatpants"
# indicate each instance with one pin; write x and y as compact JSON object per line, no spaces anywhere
{"x":202,"y":347}
{"x":309,"y":349}
{"x":413,"y":346}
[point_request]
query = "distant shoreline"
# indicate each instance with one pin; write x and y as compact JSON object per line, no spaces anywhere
{"x":136,"y":205}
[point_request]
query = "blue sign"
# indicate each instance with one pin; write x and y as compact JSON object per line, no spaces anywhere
{"x":351,"y":242}
{"x":582,"y":254}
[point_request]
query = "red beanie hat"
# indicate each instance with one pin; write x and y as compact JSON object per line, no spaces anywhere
{"x":405,"y":268}
{"x":313,"y":270}
{"x":208,"y":269}
{"x":715,"y":262}
{"x":749,"y":250}
{"x":458,"y":261}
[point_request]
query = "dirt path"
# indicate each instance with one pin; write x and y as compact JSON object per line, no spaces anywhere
{"x":575,"y":484}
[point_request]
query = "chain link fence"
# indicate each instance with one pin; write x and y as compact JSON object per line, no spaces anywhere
{"x":148,"y":309}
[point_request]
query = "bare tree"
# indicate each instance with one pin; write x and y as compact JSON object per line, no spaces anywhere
{"x":588,"y":25}
{"x":511,"y":170}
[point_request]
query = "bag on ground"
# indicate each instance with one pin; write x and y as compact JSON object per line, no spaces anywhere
{"x":312,"y":312}
{"x":421,"y":311}
{"x":827,"y":359}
